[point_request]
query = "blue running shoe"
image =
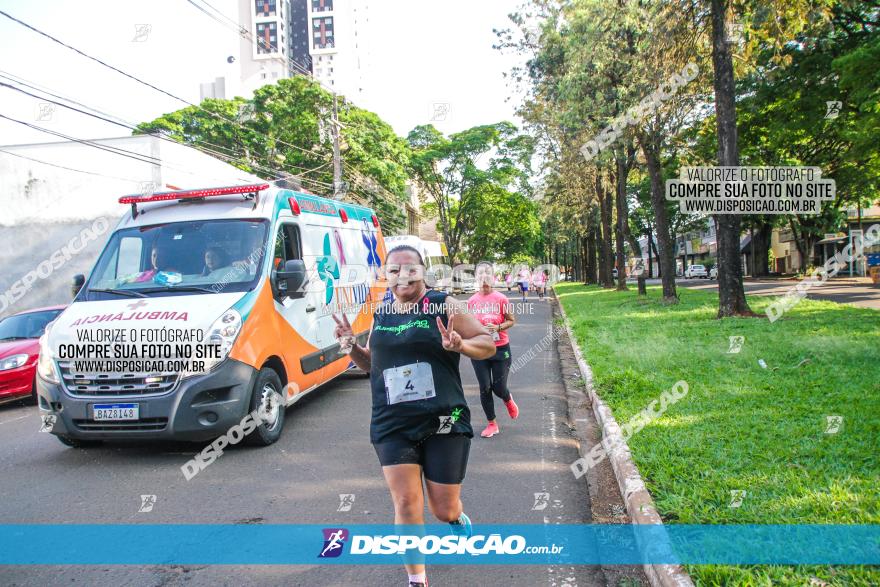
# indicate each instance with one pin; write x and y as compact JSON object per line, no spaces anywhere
{"x":462,"y":526}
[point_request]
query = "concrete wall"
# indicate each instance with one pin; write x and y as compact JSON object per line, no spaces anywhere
{"x":51,"y":192}
{"x":26,"y":246}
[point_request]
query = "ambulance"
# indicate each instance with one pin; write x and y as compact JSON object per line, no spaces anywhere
{"x":249,"y":274}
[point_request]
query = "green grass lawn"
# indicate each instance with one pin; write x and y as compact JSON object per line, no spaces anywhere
{"x":743,"y":427}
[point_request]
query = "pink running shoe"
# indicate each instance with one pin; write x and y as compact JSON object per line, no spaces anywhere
{"x":512,"y":408}
{"x":490,"y":431}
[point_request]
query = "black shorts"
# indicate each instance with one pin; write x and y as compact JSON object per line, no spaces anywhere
{"x":443,"y":457}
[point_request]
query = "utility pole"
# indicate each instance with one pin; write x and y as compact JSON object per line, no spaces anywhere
{"x":337,"y":158}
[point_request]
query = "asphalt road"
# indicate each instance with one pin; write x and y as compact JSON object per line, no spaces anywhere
{"x":324,"y":451}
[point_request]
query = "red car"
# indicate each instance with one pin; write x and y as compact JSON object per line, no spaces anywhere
{"x":19,"y":348}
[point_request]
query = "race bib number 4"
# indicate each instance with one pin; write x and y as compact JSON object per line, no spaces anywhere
{"x":409,"y":383}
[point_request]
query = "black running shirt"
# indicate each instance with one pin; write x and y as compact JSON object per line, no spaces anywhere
{"x":397,"y":342}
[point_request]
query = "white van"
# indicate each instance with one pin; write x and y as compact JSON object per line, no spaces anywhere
{"x":248,"y":274}
{"x":438,"y":279}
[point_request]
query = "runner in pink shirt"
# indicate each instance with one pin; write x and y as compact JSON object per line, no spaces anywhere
{"x":492,"y":309}
{"x":539,"y":278}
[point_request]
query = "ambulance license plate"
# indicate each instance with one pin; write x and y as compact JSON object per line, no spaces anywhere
{"x":115,"y":412}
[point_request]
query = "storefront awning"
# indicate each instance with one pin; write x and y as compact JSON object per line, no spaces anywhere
{"x":836,"y":239}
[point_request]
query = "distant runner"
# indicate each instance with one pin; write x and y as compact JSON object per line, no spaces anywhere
{"x":492,"y":309}
{"x":523,"y":279}
{"x":540,"y":281}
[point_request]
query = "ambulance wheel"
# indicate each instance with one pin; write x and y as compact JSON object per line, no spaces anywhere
{"x":77,"y":442}
{"x":266,"y":397}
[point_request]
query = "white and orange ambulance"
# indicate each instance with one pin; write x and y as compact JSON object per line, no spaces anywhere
{"x":253,"y":272}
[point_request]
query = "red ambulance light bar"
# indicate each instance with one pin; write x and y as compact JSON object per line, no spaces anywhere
{"x":343,"y":215}
{"x":136,"y":199}
{"x":187,"y":194}
{"x":375,"y":221}
{"x":294,"y":206}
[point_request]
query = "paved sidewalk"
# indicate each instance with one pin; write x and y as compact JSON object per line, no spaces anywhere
{"x":855,"y":291}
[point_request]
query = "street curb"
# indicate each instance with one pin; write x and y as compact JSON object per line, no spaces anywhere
{"x":639,"y":504}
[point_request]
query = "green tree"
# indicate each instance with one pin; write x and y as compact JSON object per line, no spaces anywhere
{"x":501,"y":224}
{"x":454,"y":171}
{"x":284,"y":131}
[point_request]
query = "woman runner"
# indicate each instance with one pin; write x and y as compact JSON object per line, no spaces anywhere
{"x":540,"y":280}
{"x":492,"y":309}
{"x":523,"y":280}
{"x":420,"y":423}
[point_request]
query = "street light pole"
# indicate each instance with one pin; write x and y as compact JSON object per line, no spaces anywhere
{"x":337,"y":158}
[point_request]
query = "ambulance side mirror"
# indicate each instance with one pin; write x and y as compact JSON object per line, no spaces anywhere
{"x":78,"y":281}
{"x":290,"y":280}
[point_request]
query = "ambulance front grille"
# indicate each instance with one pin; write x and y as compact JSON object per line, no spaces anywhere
{"x":116,"y":384}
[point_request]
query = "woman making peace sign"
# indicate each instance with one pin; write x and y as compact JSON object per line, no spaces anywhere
{"x":420,"y":422}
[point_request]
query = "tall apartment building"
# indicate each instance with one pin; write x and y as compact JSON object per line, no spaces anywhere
{"x":263,"y":55}
{"x":299,"y":35}
{"x":340,"y":44}
{"x":327,"y":38}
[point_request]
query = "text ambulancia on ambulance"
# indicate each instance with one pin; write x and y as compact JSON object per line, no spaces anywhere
{"x":204,"y":306}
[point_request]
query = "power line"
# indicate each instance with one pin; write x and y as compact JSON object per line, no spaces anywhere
{"x":149,"y":85}
{"x":371,"y":184}
{"x":107,"y":118}
{"x":109,"y":148}
{"x":114,"y":150}
{"x":23,"y":82}
{"x":292,"y":65}
{"x":244,"y":32}
{"x":132,"y":77}
{"x":68,"y":168}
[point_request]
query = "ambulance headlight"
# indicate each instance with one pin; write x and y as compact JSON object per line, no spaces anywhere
{"x":46,"y":362}
{"x":221,"y":334}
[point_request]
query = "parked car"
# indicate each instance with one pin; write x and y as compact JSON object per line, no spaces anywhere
{"x":463,"y":283}
{"x":713,"y":272}
{"x":19,"y":350}
{"x":696,"y":271}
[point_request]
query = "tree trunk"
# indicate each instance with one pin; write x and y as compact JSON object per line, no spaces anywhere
{"x":650,"y":236}
{"x":566,"y":261}
{"x":591,"y":256}
{"x":752,"y":251}
{"x":606,"y":261}
{"x":657,"y":254}
{"x":622,"y":173}
{"x":666,"y":252}
{"x":731,"y":295}
{"x":761,"y":249}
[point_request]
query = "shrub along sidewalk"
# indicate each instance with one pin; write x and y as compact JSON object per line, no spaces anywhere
{"x":743,"y":427}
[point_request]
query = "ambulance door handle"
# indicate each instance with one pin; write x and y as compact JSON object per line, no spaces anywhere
{"x":310,"y":308}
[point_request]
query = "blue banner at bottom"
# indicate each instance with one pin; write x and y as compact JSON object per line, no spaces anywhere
{"x":226,"y":544}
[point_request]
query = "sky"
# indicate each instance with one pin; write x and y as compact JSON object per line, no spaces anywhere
{"x":423,"y":53}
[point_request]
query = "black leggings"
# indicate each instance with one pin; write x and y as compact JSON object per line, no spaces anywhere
{"x":492,"y":376}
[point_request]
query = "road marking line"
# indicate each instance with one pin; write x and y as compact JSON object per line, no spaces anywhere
{"x":14,"y":419}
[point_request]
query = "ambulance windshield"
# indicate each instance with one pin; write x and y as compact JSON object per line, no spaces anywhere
{"x":205,"y":256}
